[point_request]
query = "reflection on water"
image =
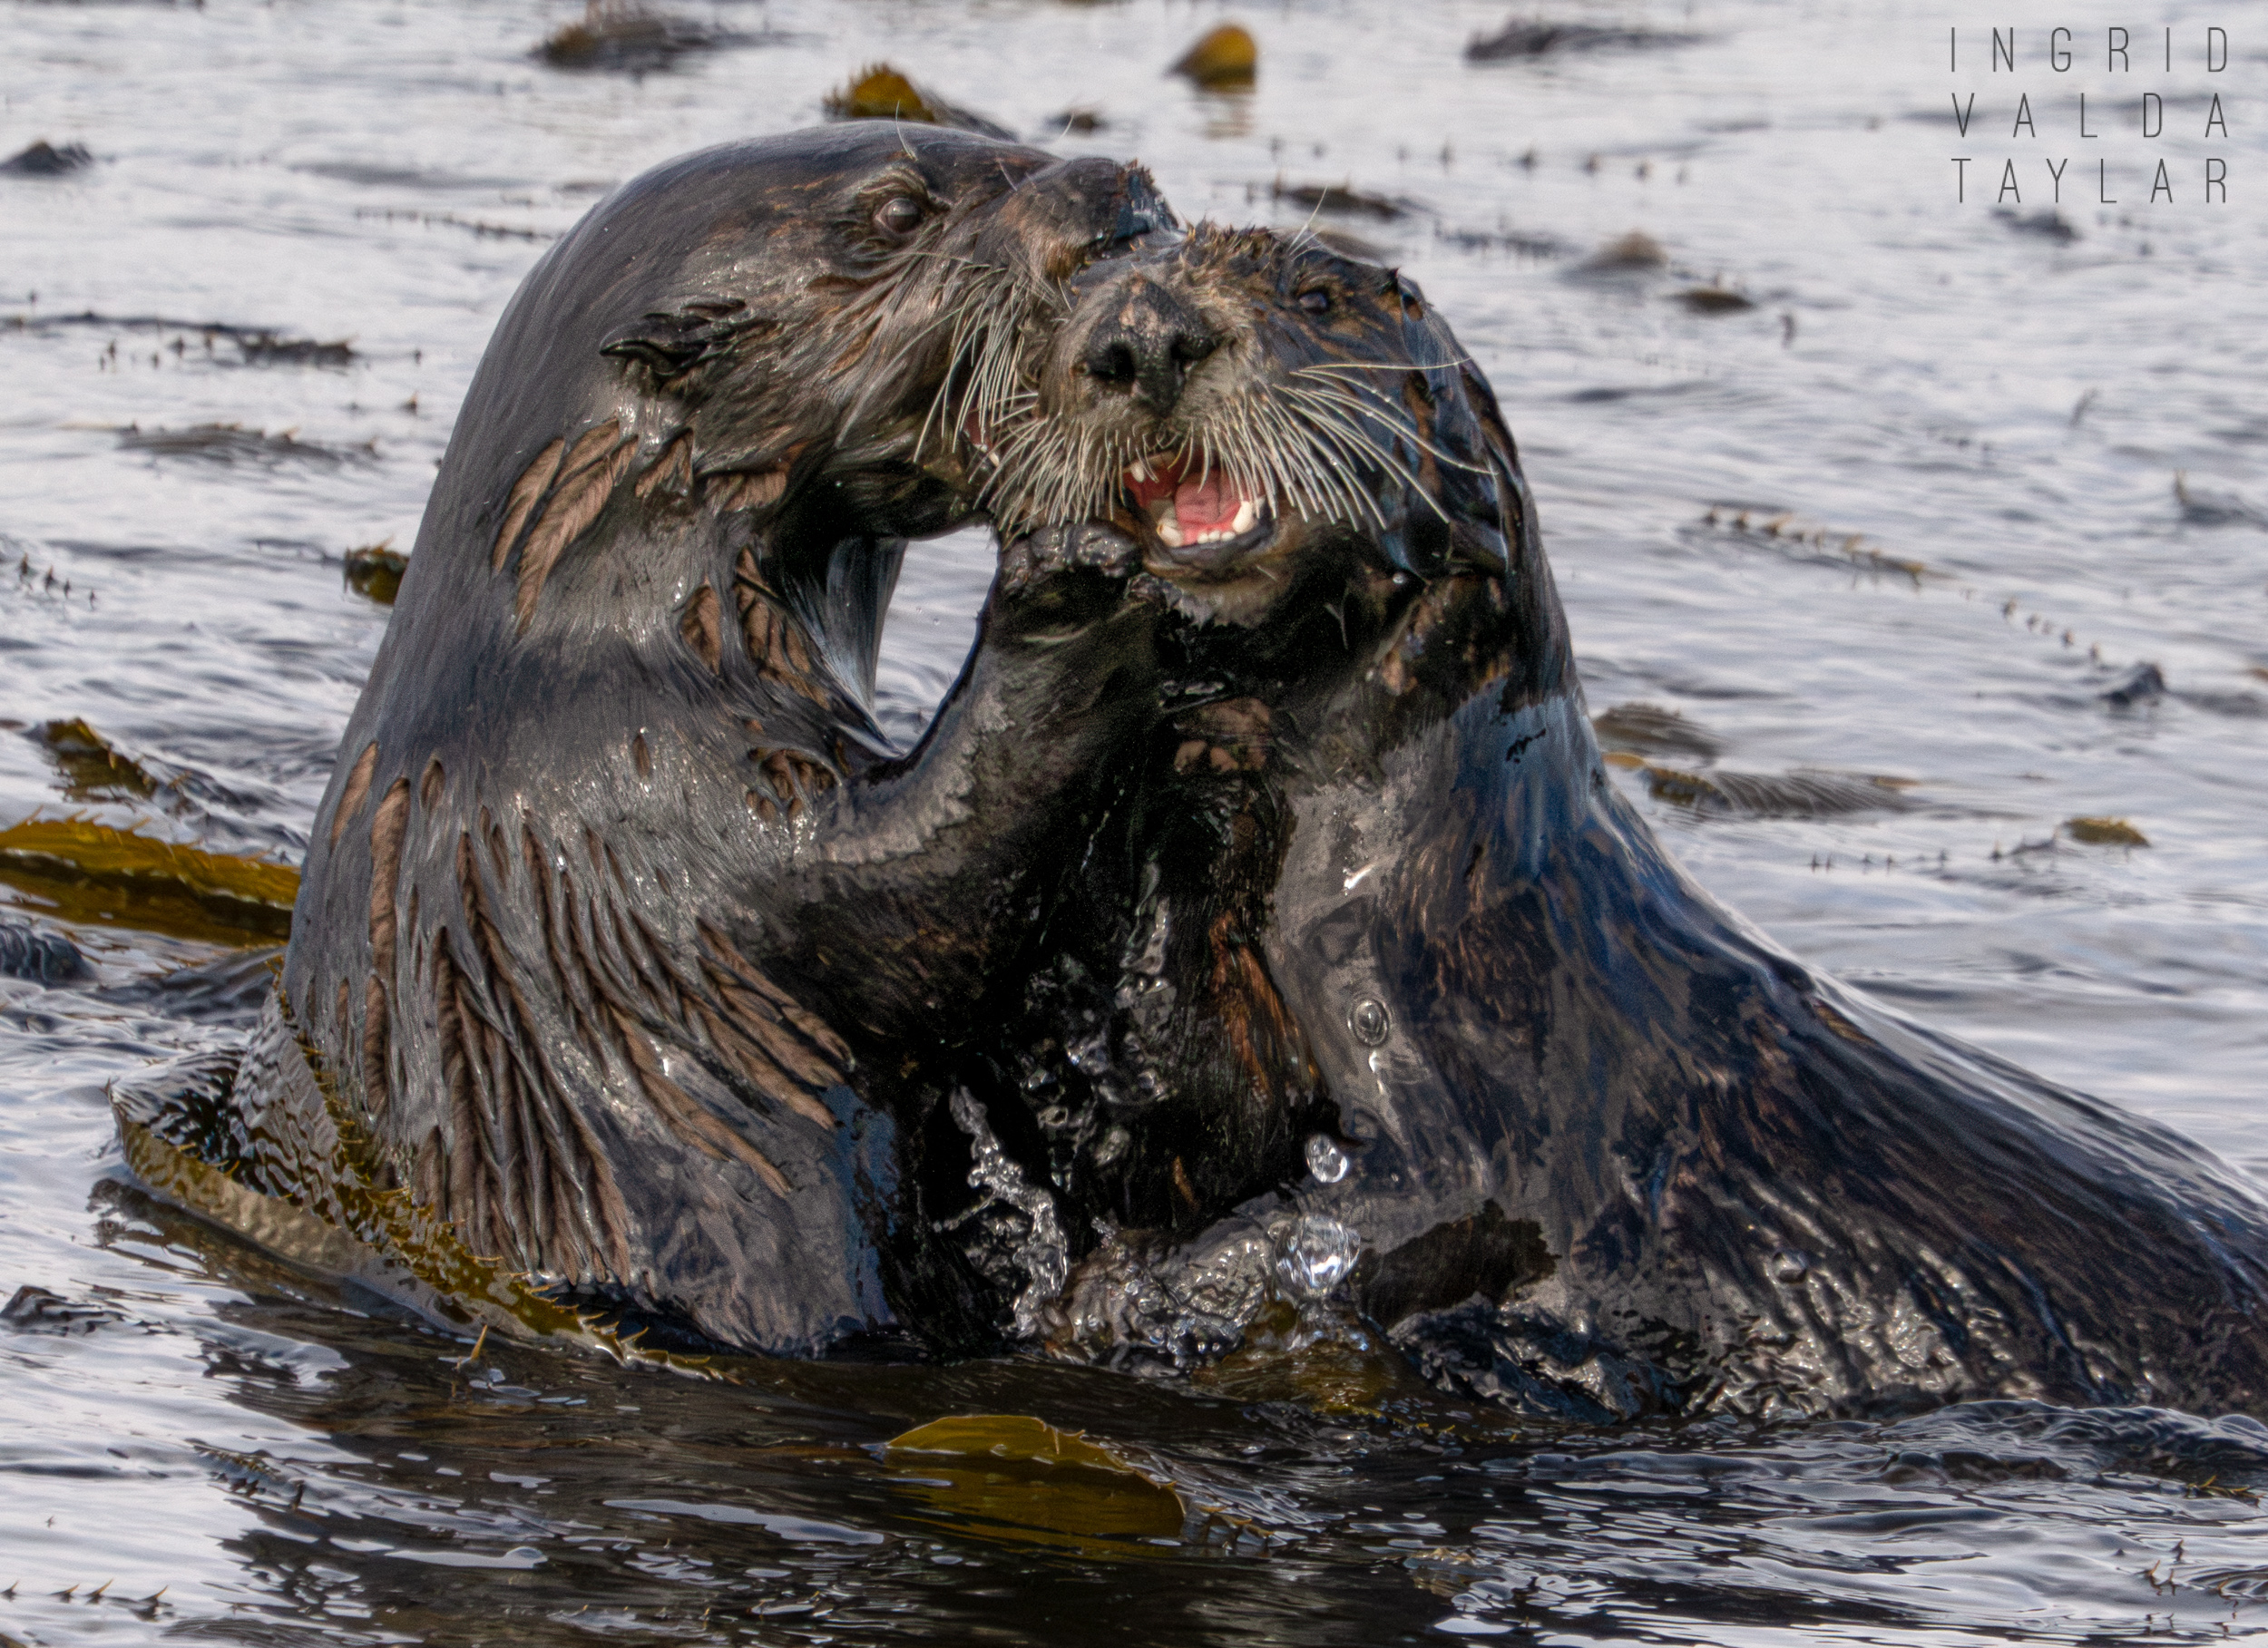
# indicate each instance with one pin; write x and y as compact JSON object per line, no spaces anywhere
{"x":1878,"y":557}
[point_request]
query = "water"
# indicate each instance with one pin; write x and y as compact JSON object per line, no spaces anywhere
{"x":2006,"y":409}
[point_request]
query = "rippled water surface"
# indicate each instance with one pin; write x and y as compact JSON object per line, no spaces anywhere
{"x":1912,"y":514}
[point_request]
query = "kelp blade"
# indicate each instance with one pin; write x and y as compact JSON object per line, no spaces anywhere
{"x":1017,"y":1478}
{"x":90,"y":873}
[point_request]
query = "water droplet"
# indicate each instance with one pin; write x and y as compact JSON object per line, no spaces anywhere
{"x":1369,"y":1021}
{"x":1318,"y":1253}
{"x":1325,"y":1160}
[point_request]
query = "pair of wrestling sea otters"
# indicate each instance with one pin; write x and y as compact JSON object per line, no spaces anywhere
{"x":1254,"y":921}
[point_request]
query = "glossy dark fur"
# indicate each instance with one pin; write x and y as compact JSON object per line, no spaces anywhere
{"x":1611,"y":1151}
{"x":619,"y":901}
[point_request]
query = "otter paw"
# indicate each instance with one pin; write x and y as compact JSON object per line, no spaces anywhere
{"x":1163,"y":592}
{"x":1055,"y":550}
{"x":1234,"y":735}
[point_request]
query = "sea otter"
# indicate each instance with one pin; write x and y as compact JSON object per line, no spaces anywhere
{"x":1373,"y":979}
{"x":618,"y":899}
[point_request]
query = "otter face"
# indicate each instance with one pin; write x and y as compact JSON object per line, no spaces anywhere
{"x":1242,"y":402}
{"x":854,"y":293}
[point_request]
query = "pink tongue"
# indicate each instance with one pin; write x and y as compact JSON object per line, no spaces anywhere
{"x":1205,"y":506}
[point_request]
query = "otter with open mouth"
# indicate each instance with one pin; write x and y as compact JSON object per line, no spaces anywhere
{"x":621,"y":910}
{"x":1219,"y":472}
{"x":1375,"y":981}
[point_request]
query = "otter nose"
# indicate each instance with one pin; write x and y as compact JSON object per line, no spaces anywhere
{"x":1146,"y":350}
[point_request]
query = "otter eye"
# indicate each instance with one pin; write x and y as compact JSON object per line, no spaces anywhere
{"x":1315,"y":300}
{"x":900,"y":216}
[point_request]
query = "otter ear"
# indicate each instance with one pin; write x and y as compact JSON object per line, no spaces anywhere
{"x":1141,"y":209}
{"x":669,"y":343}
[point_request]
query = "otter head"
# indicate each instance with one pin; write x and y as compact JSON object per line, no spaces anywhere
{"x":751,"y":369}
{"x":829,"y":298}
{"x":1263,"y":416}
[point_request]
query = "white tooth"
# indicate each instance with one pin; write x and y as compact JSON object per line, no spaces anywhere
{"x":1169,"y":525}
{"x":1246,"y":513}
{"x":1140,"y":471}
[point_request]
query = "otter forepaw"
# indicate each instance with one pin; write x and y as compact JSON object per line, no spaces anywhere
{"x":1054,"y":550}
{"x":1232,"y":735}
{"x":1158,"y":592}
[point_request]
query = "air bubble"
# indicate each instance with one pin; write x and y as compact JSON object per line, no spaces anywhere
{"x":1325,"y":1160}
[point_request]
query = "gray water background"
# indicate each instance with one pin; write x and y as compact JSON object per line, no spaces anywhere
{"x":2006,"y":408}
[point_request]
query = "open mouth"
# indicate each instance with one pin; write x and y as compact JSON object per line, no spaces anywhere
{"x":1197,"y":513}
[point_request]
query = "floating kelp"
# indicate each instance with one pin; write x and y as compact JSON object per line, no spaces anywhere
{"x":1535,"y":37}
{"x":2144,"y":684}
{"x":230,"y":443}
{"x":1632,"y":253}
{"x":1225,"y":60}
{"x":2200,"y":507}
{"x":1649,"y":729}
{"x":1020,"y":1478}
{"x":43,"y":159}
{"x":91,"y":767}
{"x":2104,"y":832}
{"x":267,"y":349}
{"x":1523,"y":242}
{"x":82,"y":872}
{"x":1801,"y":794}
{"x":881,"y":93}
{"x":477,"y":226}
{"x":2048,"y":225}
{"x":316,"y":1195}
{"x":375,"y":570}
{"x":206,"y":331}
{"x":1788,"y":529}
{"x":1714,"y":300}
{"x":1341,"y":198}
{"x":623,"y":35}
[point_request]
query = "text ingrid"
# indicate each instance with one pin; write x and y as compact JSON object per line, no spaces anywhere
{"x":2144,"y":115}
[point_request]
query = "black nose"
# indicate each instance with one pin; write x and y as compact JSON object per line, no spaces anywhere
{"x":1146,"y":348}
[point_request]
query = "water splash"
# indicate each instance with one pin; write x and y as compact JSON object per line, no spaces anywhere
{"x":1039,"y":1250}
